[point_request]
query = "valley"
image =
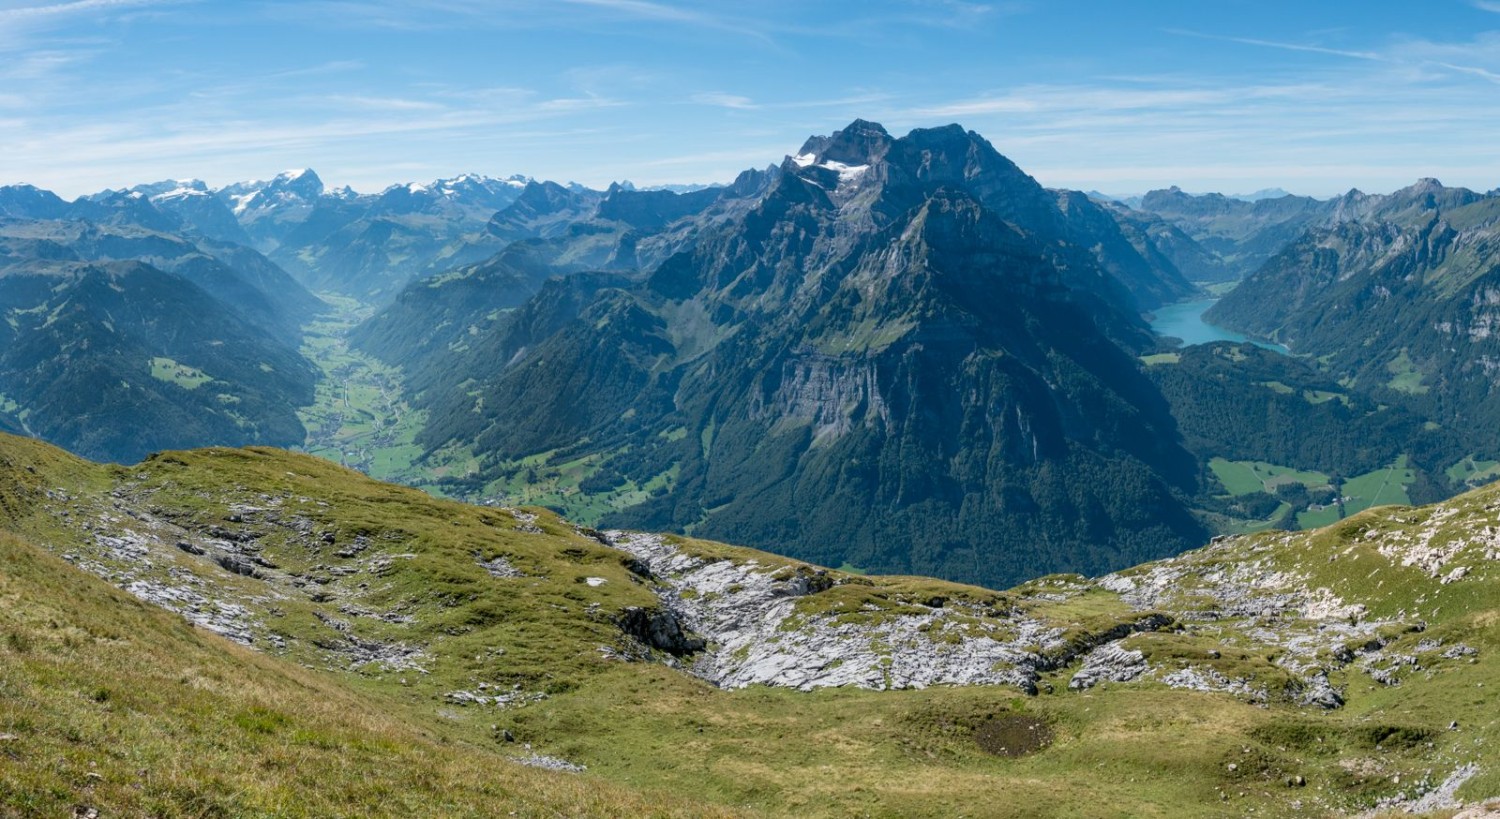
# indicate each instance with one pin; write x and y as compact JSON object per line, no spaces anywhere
{"x":363,"y":418}
{"x":360,"y":416}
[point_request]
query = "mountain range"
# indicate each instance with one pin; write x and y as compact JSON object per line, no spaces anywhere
{"x":910,"y":325}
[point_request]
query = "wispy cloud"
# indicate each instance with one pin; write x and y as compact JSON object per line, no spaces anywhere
{"x":1482,"y":73}
{"x":723,"y":100}
{"x":25,"y":28}
{"x":1487,"y":5}
{"x":576,"y":104}
{"x":385,"y":103}
{"x":321,"y":69}
{"x":646,"y":10}
{"x":958,"y":13}
{"x":1054,"y":99}
{"x":430,"y":15}
{"x":1284,"y":46}
{"x":1414,"y":53}
{"x":23,"y":14}
{"x":37,"y":64}
{"x":749,"y":27}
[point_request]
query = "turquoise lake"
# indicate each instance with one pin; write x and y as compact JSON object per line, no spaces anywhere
{"x":1184,"y":320}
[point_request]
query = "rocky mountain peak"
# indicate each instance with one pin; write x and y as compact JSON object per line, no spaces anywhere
{"x":304,"y":182}
{"x":124,"y":208}
{"x":1175,"y":200}
{"x":30,"y":202}
{"x":1352,"y":206}
{"x":1425,"y":195}
{"x":857,"y":145}
{"x":753,"y":181}
{"x":299,"y":187}
{"x":544,"y":194}
{"x":165,"y":189}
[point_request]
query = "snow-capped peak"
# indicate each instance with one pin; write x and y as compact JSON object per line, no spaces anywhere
{"x":183,"y":188}
{"x":296,"y":187}
{"x":847,"y":173}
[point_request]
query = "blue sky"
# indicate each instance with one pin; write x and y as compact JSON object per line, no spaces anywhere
{"x":1315,"y":97}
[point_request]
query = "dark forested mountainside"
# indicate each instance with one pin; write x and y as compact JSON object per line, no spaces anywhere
{"x":1244,"y":403}
{"x":1402,"y":304}
{"x":128,"y":330}
{"x":115,"y":360}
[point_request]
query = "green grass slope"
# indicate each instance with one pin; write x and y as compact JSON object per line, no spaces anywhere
{"x":403,"y":651}
{"x":109,"y":703}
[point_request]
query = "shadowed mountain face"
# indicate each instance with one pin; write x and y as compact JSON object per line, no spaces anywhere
{"x":127,"y":330}
{"x":115,"y":360}
{"x":244,"y":280}
{"x":1402,"y":300}
{"x":902,"y":353}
